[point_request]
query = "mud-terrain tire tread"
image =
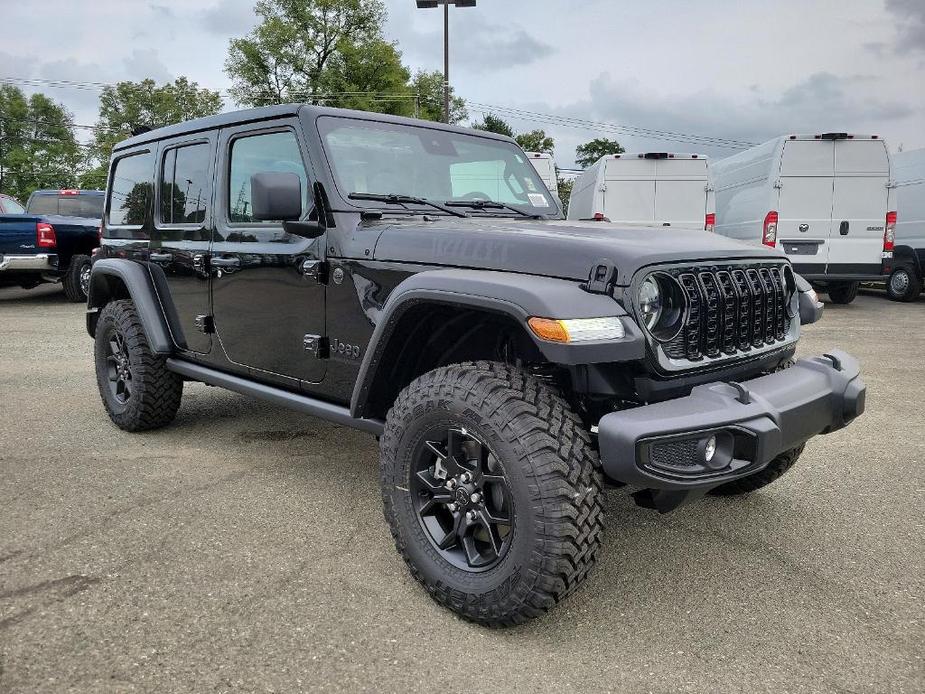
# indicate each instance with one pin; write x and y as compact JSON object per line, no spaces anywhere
{"x":843,"y":293}
{"x":562,"y":464}
{"x":156,"y":393}
{"x":71,"y":280}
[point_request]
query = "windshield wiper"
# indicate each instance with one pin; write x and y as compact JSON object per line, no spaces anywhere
{"x":404,"y":201}
{"x":492,"y":205}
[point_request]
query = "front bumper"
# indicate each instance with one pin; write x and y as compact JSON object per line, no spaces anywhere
{"x":663,"y":447}
{"x":28,"y":263}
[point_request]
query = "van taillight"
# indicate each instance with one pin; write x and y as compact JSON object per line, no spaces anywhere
{"x":709,"y":222}
{"x":45,"y":235}
{"x":889,"y":232}
{"x":769,"y":232}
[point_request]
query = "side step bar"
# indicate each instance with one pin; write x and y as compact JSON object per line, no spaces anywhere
{"x":294,"y":401}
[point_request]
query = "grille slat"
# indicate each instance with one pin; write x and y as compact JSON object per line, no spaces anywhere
{"x":730,"y":310}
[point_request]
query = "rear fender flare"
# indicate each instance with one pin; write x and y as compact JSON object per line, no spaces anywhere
{"x":105,"y":279}
{"x":516,"y":296}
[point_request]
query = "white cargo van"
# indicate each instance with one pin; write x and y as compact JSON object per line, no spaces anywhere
{"x":906,"y":269}
{"x":826,"y":200}
{"x":660,"y":188}
{"x":546,"y":168}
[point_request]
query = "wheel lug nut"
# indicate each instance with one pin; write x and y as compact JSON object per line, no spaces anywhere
{"x":450,"y":484}
{"x":466,"y":477}
{"x":470,"y":515}
{"x":475,"y":498}
{"x":451,"y":507}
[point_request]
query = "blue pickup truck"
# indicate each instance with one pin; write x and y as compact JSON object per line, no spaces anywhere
{"x":50,"y":240}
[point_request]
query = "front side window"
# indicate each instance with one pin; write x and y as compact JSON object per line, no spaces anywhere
{"x":268,"y":152}
{"x":185,"y":185}
{"x":438,"y":165}
{"x":131,"y":190}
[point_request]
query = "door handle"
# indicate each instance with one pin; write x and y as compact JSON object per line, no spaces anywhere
{"x":225,"y":262}
{"x":160,"y":257}
{"x":843,"y":228}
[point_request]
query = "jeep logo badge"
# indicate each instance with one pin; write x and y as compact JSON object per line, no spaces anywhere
{"x":804,"y":227}
{"x":462,"y":496}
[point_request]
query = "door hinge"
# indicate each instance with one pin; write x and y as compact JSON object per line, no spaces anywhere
{"x":316,"y":270}
{"x":778,"y":184}
{"x":205,"y":324}
{"x":316,"y":345}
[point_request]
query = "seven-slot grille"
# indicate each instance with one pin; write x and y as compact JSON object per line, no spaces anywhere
{"x":730,"y":310}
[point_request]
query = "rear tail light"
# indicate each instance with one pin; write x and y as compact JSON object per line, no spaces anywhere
{"x":889,"y":232}
{"x":769,"y":232}
{"x":709,"y":222}
{"x":45,"y":235}
{"x":599,"y":217}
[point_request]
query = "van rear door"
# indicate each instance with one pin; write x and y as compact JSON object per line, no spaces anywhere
{"x":629,"y":194}
{"x":681,"y":192}
{"x":804,"y":203}
{"x":860,"y":204}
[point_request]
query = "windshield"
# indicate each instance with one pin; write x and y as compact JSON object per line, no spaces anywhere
{"x":437,"y":165}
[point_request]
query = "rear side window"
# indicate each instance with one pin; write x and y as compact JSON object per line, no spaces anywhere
{"x":185,"y":186}
{"x":269,"y":152}
{"x":10,"y":206}
{"x":131,"y":190}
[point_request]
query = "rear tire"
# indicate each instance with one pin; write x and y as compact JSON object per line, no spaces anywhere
{"x":843,"y":293}
{"x":904,"y":284}
{"x":77,"y":279}
{"x":545,"y":480}
{"x":774,"y":470}
{"x":137,"y":390}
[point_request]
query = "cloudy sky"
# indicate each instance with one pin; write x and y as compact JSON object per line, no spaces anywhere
{"x":742,"y":70}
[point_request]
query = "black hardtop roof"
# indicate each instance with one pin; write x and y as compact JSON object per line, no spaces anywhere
{"x":251,"y":115}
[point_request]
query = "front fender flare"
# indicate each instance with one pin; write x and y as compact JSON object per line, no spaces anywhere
{"x":137,"y":282}
{"x":517,"y":296}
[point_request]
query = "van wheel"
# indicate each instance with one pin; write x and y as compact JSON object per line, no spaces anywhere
{"x":77,"y":279}
{"x":492,"y":491}
{"x":137,"y":390}
{"x":843,"y":292}
{"x":904,"y":285}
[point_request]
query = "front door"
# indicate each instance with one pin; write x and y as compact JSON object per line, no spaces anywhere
{"x":265,"y":297}
{"x":181,"y":236}
{"x":805,"y":203}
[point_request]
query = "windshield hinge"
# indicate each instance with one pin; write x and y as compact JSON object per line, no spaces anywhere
{"x":602,"y":278}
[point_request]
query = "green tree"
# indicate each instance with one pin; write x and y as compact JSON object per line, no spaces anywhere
{"x":38,"y":148}
{"x":590,"y":152}
{"x":314,"y":51}
{"x":492,"y":124}
{"x":127,"y":106}
{"x":535,"y":141}
{"x":428,"y":89}
{"x":565,"y":193}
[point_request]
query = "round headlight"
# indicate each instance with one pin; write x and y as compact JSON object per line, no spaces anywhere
{"x":650,"y":302}
{"x":661,"y":306}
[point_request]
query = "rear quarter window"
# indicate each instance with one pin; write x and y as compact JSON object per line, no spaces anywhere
{"x":131,"y":189}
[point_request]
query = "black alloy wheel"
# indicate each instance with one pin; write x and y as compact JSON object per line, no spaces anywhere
{"x":119,"y":368}
{"x":462,"y":499}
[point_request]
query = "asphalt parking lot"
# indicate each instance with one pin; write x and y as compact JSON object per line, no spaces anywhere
{"x":243,"y":548}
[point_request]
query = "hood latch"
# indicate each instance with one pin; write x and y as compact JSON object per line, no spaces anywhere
{"x":602,"y":278}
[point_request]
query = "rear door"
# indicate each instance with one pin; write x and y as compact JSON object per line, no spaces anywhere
{"x":804,"y":204}
{"x":681,"y":192}
{"x":862,"y":172}
{"x":181,"y":236}
{"x":629,"y":190}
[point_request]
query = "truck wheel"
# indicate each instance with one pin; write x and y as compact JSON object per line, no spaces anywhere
{"x":844,"y":292}
{"x":903,"y":284}
{"x":775,"y":469}
{"x":492,"y":491}
{"x":77,"y":279}
{"x":137,"y":390}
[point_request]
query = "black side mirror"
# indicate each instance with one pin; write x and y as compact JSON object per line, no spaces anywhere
{"x":276,"y":196}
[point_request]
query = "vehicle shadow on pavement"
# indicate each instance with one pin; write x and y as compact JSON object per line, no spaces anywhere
{"x":40,"y":296}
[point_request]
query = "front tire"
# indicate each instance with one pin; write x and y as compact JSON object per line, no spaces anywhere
{"x":77,"y":279}
{"x":903,"y":284}
{"x":492,"y":491}
{"x":843,"y":293}
{"x":137,"y":390}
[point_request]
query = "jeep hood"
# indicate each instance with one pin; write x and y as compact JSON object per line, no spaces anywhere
{"x":557,"y":248}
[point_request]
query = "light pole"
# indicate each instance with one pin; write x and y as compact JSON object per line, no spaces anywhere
{"x":431,"y":4}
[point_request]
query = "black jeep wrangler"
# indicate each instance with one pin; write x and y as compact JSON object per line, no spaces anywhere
{"x":417,"y":281}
